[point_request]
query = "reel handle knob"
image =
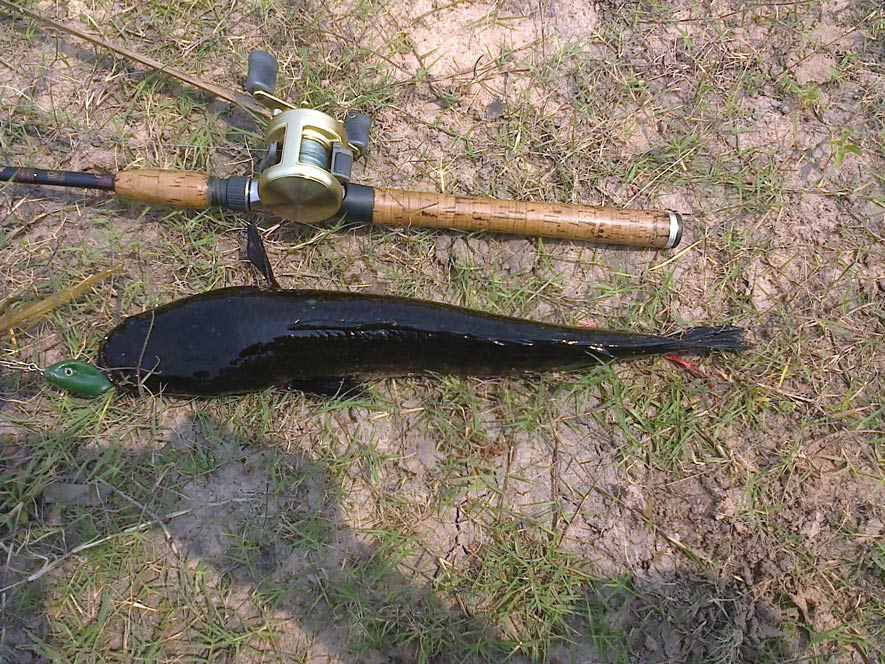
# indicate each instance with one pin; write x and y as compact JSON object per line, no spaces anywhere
{"x":357,"y":127}
{"x":262,"y":74}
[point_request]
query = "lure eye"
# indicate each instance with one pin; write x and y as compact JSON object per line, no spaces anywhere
{"x":68,"y":371}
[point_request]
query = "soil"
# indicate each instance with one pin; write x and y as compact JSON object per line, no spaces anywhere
{"x":740,"y":552}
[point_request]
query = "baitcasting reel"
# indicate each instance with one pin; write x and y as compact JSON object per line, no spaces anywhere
{"x":310,"y":154}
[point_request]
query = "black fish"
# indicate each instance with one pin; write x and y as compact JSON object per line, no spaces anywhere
{"x":242,"y":339}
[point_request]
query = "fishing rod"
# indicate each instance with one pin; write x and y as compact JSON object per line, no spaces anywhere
{"x":305,"y":177}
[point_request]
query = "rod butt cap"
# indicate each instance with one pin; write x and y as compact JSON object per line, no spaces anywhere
{"x":676,"y":228}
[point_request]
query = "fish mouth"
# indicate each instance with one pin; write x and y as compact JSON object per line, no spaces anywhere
{"x":101,"y":355}
{"x":114,"y":364}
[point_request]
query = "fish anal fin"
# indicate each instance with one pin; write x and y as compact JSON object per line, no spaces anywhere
{"x":331,"y":387}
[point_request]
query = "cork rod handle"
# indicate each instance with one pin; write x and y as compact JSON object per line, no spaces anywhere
{"x":636,"y":228}
{"x":181,"y":189}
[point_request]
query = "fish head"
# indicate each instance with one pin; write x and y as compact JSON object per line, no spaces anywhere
{"x":78,"y":377}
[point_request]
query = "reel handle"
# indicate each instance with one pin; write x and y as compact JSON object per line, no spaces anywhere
{"x":635,"y":228}
{"x":262,"y":72}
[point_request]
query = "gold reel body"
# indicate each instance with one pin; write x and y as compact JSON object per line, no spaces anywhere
{"x":309,"y":157}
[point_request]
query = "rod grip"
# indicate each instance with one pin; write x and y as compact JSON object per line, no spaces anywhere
{"x":636,"y":228}
{"x":180,"y":189}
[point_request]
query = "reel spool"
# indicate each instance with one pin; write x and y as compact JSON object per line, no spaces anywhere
{"x":310,"y":154}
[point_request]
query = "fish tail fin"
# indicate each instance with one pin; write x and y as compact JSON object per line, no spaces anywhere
{"x":709,"y":338}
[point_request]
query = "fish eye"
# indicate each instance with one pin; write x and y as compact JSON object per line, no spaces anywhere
{"x":69,"y":371}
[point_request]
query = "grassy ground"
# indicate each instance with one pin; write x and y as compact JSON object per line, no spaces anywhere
{"x":630,"y":513}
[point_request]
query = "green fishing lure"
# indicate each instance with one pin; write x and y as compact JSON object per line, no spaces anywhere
{"x":78,"y":377}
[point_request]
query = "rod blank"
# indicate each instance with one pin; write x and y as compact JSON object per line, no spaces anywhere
{"x":57,"y":178}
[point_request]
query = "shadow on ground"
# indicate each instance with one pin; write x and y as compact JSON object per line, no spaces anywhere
{"x":269,"y":528}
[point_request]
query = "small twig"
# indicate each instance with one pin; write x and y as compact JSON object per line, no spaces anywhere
{"x":687,"y":550}
{"x":675,"y":256}
{"x":50,"y":565}
{"x":574,"y":516}
{"x":33,"y":311}
{"x":24,"y":227}
{"x":238,"y":98}
{"x":688,"y":365}
{"x":17,"y":510}
{"x":144,"y":510}
{"x":554,"y":476}
{"x":147,"y":337}
{"x":10,"y":212}
{"x":505,"y":483}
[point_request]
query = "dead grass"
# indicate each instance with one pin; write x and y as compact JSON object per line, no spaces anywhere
{"x":635,"y":513}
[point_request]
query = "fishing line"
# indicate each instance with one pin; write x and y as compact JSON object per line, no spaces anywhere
{"x":24,"y":367}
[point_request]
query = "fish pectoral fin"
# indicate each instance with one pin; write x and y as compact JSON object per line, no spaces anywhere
{"x":257,"y":255}
{"x":335,"y":388}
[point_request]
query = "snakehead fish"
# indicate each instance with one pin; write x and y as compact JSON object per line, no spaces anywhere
{"x":242,"y":339}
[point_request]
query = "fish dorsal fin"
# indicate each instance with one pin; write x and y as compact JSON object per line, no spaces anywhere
{"x":348,"y":326}
{"x":351,"y":326}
